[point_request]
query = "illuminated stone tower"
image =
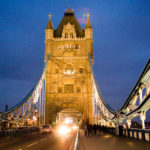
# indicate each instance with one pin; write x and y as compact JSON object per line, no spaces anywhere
{"x":68,"y":76}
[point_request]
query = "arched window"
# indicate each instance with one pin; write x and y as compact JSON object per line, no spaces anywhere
{"x":69,"y":88}
{"x":59,"y":47}
{"x":70,"y":46}
{"x":59,"y":89}
{"x":71,"y":35}
{"x":80,"y":70}
{"x":56,"y":70}
{"x":76,"y":46}
{"x":66,"y":35}
{"x":67,"y":46}
{"x":69,"y":69}
{"x":78,"y":90}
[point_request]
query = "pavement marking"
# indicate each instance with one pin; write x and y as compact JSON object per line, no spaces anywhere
{"x":43,"y":139}
{"x":35,"y":133}
{"x":32,"y":144}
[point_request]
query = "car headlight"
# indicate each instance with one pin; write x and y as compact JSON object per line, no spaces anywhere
{"x":64,"y":130}
{"x":74,"y":127}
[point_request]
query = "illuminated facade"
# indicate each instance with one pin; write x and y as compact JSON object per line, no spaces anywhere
{"x":68,"y":76}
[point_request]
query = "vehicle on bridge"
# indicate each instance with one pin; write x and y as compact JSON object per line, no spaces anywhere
{"x":47,"y":128}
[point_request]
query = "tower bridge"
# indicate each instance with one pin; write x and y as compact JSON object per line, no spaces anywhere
{"x":68,"y":82}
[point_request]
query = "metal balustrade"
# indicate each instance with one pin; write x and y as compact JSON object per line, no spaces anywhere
{"x":138,"y":134}
{"x":19,"y":131}
{"x":75,"y":142}
{"x":76,"y":145}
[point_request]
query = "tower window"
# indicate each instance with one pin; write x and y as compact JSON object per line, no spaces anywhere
{"x":59,"y":90}
{"x":56,"y":70}
{"x":70,"y":46}
{"x":66,"y":46}
{"x":71,"y":35}
{"x":80,"y":70}
{"x":54,"y":85}
{"x":59,"y":47}
{"x":69,"y":88}
{"x":68,"y":69}
{"x":76,"y":46}
{"x":66,"y":35}
{"x":78,"y":90}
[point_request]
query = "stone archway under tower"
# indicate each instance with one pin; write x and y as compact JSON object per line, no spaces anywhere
{"x":67,"y":115}
{"x":53,"y":112}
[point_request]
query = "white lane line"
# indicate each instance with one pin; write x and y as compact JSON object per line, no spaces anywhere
{"x":32,"y":144}
{"x":43,"y":139}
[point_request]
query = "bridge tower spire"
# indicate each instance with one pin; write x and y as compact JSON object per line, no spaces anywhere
{"x":88,"y":28}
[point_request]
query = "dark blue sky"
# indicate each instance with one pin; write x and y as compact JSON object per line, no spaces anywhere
{"x":121,"y":31}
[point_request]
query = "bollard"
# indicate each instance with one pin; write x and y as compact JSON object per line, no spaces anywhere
{"x":132,"y":133}
{"x":137,"y":134}
{"x":149,"y":136}
{"x":143,"y":135}
{"x":128,"y":130}
{"x":76,"y":145}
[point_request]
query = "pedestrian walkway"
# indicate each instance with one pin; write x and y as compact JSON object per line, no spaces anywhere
{"x":110,"y":142}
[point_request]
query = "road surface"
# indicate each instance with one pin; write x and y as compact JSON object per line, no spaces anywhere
{"x":38,"y":142}
{"x":57,"y":142}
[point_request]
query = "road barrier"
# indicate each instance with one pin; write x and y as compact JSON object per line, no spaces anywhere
{"x":138,"y":134}
{"x":76,"y":145}
{"x":75,"y":142}
{"x":19,"y":131}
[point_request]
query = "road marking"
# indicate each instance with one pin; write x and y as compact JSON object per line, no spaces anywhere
{"x":35,"y":133}
{"x":32,"y":144}
{"x":43,"y":139}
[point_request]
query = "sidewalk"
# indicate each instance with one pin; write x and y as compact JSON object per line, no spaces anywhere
{"x":110,"y":142}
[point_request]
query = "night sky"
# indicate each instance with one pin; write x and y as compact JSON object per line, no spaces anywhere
{"x":121,"y":30}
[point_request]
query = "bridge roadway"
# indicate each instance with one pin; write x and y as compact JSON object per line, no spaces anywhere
{"x":110,"y":142}
{"x":57,"y":142}
{"x":37,"y":142}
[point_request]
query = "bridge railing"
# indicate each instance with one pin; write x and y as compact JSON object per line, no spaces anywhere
{"x":138,"y":134}
{"x":76,"y":145}
{"x":14,"y":132}
{"x":75,"y":142}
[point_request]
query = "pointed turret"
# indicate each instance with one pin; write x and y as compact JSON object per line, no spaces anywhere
{"x":49,"y":29}
{"x":88,"y":28}
{"x":88,"y":23}
{"x":49,"y":25}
